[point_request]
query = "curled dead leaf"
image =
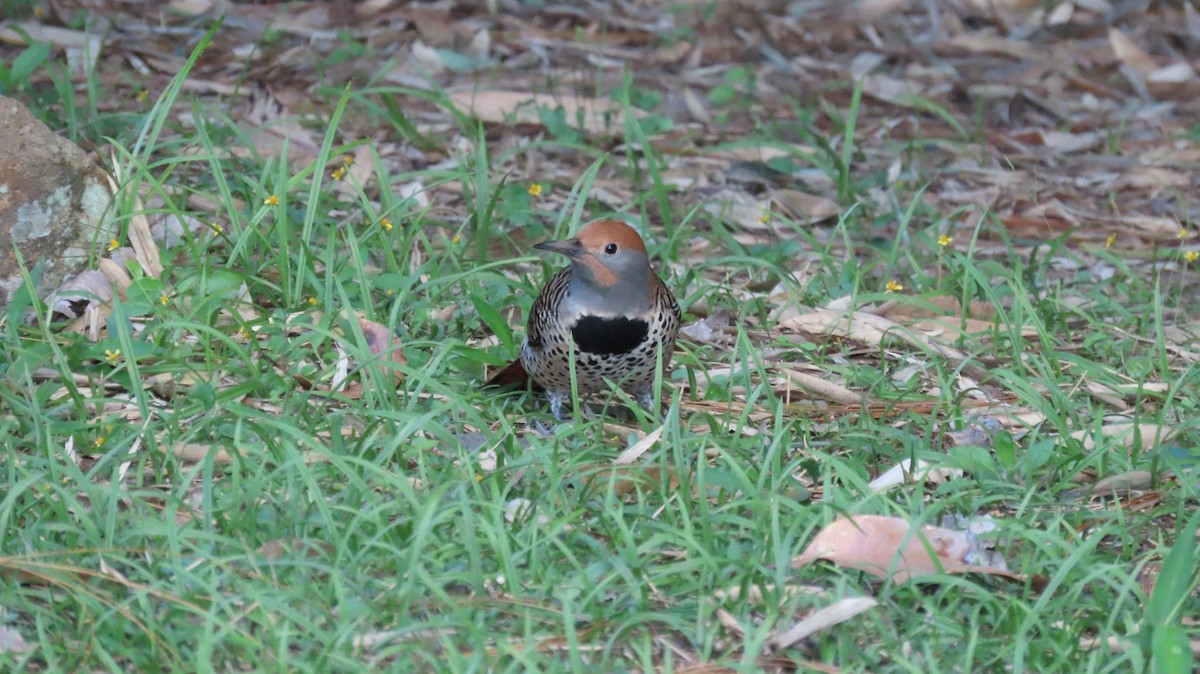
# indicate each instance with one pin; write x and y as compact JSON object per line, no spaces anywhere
{"x":888,"y":547}
{"x":73,"y":297}
{"x":383,"y":342}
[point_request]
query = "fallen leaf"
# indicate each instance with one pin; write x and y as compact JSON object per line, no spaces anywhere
{"x":801,"y":205}
{"x":271,"y":127}
{"x":639,"y":448}
{"x":888,"y":547}
{"x":904,"y":472}
{"x":822,"y":619}
{"x":519,"y":107}
{"x":1130,"y":54}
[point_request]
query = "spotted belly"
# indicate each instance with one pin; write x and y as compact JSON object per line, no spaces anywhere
{"x":621,"y":350}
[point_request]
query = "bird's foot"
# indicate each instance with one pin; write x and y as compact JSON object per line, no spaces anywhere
{"x":646,"y":398}
{"x":556,"y":403}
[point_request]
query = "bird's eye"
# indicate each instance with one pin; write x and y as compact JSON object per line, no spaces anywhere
{"x":611,"y":249}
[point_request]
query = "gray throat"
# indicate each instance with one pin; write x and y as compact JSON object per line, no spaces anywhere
{"x":629,"y":297}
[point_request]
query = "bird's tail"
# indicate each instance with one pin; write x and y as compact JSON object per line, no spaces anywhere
{"x":512,"y":376}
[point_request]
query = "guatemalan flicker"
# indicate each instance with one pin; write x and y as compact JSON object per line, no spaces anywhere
{"x":608,"y":309}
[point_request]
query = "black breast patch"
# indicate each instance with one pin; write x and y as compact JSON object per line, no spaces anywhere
{"x":609,"y":336}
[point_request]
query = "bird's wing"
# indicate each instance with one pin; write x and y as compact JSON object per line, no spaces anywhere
{"x":544,"y":311}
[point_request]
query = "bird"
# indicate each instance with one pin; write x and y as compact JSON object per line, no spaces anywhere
{"x":607,"y":311}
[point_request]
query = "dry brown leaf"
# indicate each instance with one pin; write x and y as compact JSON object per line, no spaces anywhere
{"x":87,"y":44}
{"x":382,"y":342}
{"x":1128,"y":53}
{"x":294,"y":548}
{"x":520,"y":107}
{"x":803,"y":206}
{"x":1062,"y":141}
{"x":628,"y":480}
{"x":1159,"y":227}
{"x":695,"y":107}
{"x":887,"y":547}
{"x":822,"y":619}
{"x":976,"y":42}
{"x":823,"y":388}
{"x":427,"y":57}
{"x":1146,"y":435}
{"x":976,"y":436}
{"x":193,"y":452}
{"x":904,"y":473}
{"x":271,"y":127}
{"x":639,"y":448}
{"x":900,"y":92}
{"x":935,"y":307}
{"x":1155,"y":177}
{"x":143,"y":243}
{"x":116,"y":275}
{"x":756,"y":153}
{"x":86,"y":287}
{"x":1123,"y":482}
{"x":865,"y":328}
{"x":736,"y":207}
{"x":712,"y":329}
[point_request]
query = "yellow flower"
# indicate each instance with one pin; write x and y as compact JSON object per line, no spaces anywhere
{"x":762,"y":219}
{"x":894,"y":286}
{"x":1112,"y":238}
{"x":312,"y":301}
{"x":243,"y":333}
{"x":944,"y":240}
{"x":347,"y":159}
{"x":217,"y":228}
{"x":99,"y":441}
{"x":338,"y":173}
{"x":455,"y":241}
{"x":112,"y":355}
{"x":1192,"y":255}
{"x":143,"y":96}
{"x":113,"y":245}
{"x":390,"y":292}
{"x":271,"y":201}
{"x":164,"y":299}
{"x":1183,"y":233}
{"x":385,"y":223}
{"x":535,"y":189}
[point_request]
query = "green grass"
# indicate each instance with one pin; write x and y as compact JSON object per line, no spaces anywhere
{"x":422,"y":527}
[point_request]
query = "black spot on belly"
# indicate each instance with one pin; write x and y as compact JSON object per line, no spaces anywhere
{"x":609,"y":336}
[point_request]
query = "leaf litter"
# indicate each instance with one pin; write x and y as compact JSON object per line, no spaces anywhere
{"x":1074,"y":109}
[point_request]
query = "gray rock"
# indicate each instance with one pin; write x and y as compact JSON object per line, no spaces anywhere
{"x":53,"y":204}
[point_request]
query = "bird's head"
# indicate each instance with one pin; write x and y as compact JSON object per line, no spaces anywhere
{"x":609,"y":260}
{"x":606,"y":252}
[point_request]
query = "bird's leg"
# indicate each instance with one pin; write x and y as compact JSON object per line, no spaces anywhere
{"x":646,"y":398}
{"x":556,"y":402}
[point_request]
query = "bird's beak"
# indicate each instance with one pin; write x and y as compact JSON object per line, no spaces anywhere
{"x":572,"y":248}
